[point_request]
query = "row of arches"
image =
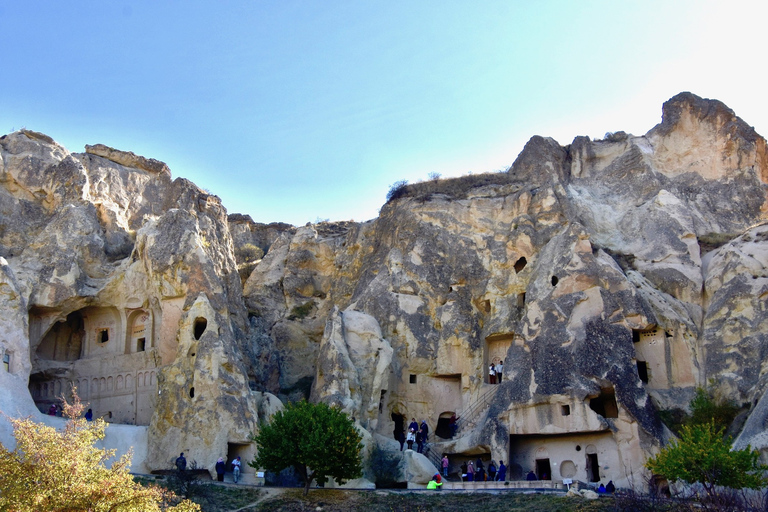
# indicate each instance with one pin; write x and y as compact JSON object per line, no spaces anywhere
{"x":95,"y":387}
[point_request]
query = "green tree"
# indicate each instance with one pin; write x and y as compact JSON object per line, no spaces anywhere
{"x":702,"y":455}
{"x":318,"y":441}
{"x":61,"y":470}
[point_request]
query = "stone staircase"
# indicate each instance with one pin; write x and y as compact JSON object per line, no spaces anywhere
{"x":473,"y":413}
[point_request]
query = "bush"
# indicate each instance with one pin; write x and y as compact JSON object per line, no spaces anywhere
{"x":62,"y":470}
{"x":385,"y":467}
{"x":247,"y":253}
{"x":397,"y":190}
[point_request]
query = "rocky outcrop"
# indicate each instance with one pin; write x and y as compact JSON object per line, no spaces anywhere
{"x":111,"y":268}
{"x":610,"y":276}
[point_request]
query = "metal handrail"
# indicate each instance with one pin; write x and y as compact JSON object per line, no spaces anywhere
{"x":475,"y":407}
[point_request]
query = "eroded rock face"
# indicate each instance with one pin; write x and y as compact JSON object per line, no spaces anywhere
{"x":109,"y":265}
{"x":611,"y":277}
{"x":598,"y":272}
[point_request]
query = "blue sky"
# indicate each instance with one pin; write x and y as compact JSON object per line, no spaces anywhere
{"x":298,"y":111}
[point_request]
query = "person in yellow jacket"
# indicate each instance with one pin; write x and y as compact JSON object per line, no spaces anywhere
{"x":436,"y":482}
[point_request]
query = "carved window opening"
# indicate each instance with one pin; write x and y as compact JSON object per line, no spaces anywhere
{"x":141,"y":344}
{"x":642,"y":371}
{"x":412,"y":379}
{"x":7,"y":362}
{"x":605,"y":404}
{"x":199,"y":327}
{"x":102,"y":335}
{"x":554,"y":280}
{"x":520,"y":264}
{"x":521,"y":300}
{"x":565,"y":410}
{"x":192,"y":392}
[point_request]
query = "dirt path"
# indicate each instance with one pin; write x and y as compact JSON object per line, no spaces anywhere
{"x":268,"y":493}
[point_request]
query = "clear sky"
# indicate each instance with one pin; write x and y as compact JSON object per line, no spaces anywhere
{"x":299,"y":111}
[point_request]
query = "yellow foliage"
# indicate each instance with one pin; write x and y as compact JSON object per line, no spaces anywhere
{"x":61,"y":470}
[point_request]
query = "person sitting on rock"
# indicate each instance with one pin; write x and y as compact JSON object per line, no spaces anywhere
{"x":610,"y":488}
{"x":601,"y":489}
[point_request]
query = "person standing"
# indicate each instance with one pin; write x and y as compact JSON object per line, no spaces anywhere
{"x":470,"y":472}
{"x":419,"y":442}
{"x":453,"y":424}
{"x":220,"y":467}
{"x":499,"y":371}
{"x":181,"y":462}
{"x":424,"y":431}
{"x":501,"y":475}
{"x":445,"y":465}
{"x":492,"y":374}
{"x":410,"y":438}
{"x":401,"y":438}
{"x":413,"y":425}
{"x":236,"y":469}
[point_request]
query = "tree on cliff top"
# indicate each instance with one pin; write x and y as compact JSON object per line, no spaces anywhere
{"x":702,"y":455}
{"x":318,"y":441}
{"x":62,"y":470}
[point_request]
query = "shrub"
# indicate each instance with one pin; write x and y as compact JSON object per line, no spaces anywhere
{"x":397,"y":190}
{"x":62,"y":470}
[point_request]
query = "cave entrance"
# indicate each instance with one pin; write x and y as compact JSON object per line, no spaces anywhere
{"x":543,"y":469}
{"x":496,"y":346}
{"x":399,"y":420}
{"x":605,"y":403}
{"x":242,"y":450}
{"x":443,"y":428}
{"x":593,"y":465}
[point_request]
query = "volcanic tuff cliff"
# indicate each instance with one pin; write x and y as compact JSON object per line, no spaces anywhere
{"x":612,"y":277}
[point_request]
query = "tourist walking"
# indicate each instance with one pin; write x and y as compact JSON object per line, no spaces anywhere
{"x":445,"y":465}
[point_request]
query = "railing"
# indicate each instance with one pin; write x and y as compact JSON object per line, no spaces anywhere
{"x":471,"y":414}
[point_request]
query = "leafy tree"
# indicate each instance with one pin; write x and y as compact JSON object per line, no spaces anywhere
{"x":317,"y":440}
{"x":702,"y":455}
{"x":62,"y":470}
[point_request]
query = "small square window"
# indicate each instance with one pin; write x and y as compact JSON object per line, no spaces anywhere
{"x":7,"y":362}
{"x":413,"y":379}
{"x":566,"y":410}
{"x":102,"y":335}
{"x":141,"y":344}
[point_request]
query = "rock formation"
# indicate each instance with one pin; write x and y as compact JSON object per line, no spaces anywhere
{"x":612,"y":277}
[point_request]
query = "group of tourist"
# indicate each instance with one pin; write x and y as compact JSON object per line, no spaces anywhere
{"x":416,"y":434}
{"x":477,"y":472}
{"x":221,"y":467}
{"x":495,"y":372}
